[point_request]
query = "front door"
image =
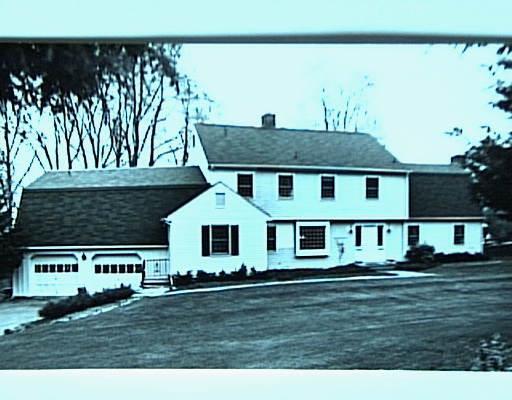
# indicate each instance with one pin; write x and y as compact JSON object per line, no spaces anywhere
{"x":372,"y":244}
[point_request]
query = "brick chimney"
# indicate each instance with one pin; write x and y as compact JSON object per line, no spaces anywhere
{"x":268,"y":120}
{"x":458,"y":159}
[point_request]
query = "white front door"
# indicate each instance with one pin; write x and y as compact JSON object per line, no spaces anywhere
{"x":371,"y":249}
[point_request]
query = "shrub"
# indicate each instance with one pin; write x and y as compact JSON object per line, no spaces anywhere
{"x":253,"y":271}
{"x":82,"y":301}
{"x":491,"y":355}
{"x":459,"y":257}
{"x":420,"y":254}
{"x":205,"y":276}
{"x":241,"y":273}
{"x":182,"y":280}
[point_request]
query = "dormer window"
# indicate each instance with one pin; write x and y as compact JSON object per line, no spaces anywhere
{"x":245,"y":185}
{"x":285,"y":182}
{"x":372,"y":187}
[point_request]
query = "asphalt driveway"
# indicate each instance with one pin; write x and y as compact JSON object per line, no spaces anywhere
{"x":434,"y":322}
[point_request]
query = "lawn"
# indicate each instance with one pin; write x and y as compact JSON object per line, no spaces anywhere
{"x":424,"y":323}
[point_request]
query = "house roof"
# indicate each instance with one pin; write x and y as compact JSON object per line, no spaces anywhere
{"x":433,"y":195}
{"x":122,"y":177}
{"x":55,"y":211}
{"x":435,"y":168}
{"x":225,"y":144}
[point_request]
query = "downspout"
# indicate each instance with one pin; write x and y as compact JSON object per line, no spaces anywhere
{"x":168,"y":223}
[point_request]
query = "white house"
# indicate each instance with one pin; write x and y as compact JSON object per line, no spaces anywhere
{"x":263,"y":197}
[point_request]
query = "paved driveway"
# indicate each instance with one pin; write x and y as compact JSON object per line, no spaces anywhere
{"x":19,"y":311}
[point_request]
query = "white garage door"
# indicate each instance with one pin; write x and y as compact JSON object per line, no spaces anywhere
{"x":54,"y":275}
{"x":114,"y":270}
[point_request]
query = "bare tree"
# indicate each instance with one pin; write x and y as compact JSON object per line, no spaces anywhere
{"x":346,"y":111}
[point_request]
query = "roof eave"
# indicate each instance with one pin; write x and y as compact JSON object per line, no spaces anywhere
{"x":311,"y":168}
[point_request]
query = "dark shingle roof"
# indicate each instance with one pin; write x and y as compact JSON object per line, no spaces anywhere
{"x":435,"y":168}
{"x":225,"y":144}
{"x":63,"y":213}
{"x":123,"y":177}
{"x":441,"y":195}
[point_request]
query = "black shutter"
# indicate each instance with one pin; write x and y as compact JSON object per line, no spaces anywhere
{"x":234,"y":240}
{"x":205,"y":240}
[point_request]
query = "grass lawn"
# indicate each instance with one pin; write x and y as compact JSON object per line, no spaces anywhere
{"x":424,"y":323}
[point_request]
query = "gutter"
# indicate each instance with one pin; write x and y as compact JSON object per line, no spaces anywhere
{"x":278,"y":167}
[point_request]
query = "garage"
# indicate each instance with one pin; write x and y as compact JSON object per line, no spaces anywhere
{"x":54,"y":275}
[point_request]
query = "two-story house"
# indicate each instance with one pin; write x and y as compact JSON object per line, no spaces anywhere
{"x":262,"y":196}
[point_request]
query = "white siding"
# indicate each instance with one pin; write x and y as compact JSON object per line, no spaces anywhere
{"x":340,"y":237}
{"x":185,"y":233}
{"x":440,"y":235}
{"x":349,"y":202}
{"x":26,"y":282}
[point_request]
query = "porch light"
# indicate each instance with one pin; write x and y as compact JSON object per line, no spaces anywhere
{"x":388,"y":230}
{"x":84,"y":257}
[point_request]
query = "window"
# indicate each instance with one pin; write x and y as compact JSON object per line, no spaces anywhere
{"x":312,"y":237}
{"x":220,"y":200}
{"x":220,"y":239}
{"x":117,"y":268}
{"x":245,"y":185}
{"x":327,"y":190}
{"x":458,"y":234}
{"x":413,"y":235}
{"x":380,"y":235}
{"x":271,"y":238}
{"x":55,"y":268}
{"x":285,"y":186}
{"x":358,"y":236}
{"x":372,"y":188}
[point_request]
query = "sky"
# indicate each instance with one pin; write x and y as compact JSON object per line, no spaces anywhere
{"x":418,"y":92}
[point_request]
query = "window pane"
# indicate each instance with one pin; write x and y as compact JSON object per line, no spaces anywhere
{"x":245,"y":187}
{"x":60,"y":268}
{"x":52,"y":267}
{"x":372,"y":188}
{"x":327,"y":187}
{"x":67,"y":268}
{"x":122,"y":268}
{"x":458,"y":234}
{"x":285,"y":185}
{"x":271,"y":238}
{"x":45,"y":267}
{"x":220,"y":239}
{"x":129,"y":268}
{"x":138,"y":268}
{"x":113,"y":268}
{"x":220,"y":199}
{"x":106,"y":268}
{"x":312,"y":237}
{"x":97,"y":269}
{"x":38,"y":268}
{"x":413,"y":235}
{"x":74,"y":267}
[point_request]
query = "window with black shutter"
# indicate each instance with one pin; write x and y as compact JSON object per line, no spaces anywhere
{"x":327,"y":190}
{"x":271,"y":238}
{"x":234,"y":240}
{"x":245,"y":185}
{"x":458,"y":234}
{"x":285,"y":186}
{"x":413,"y":235}
{"x":220,"y":239}
{"x":372,"y":188}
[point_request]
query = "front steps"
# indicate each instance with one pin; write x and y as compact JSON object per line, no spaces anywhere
{"x":156,"y":281}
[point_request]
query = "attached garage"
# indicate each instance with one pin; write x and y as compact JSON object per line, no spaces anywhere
{"x":52,"y":275}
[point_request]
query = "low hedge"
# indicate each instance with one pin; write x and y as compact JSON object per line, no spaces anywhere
{"x":459,"y":257}
{"x":83,"y":301}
